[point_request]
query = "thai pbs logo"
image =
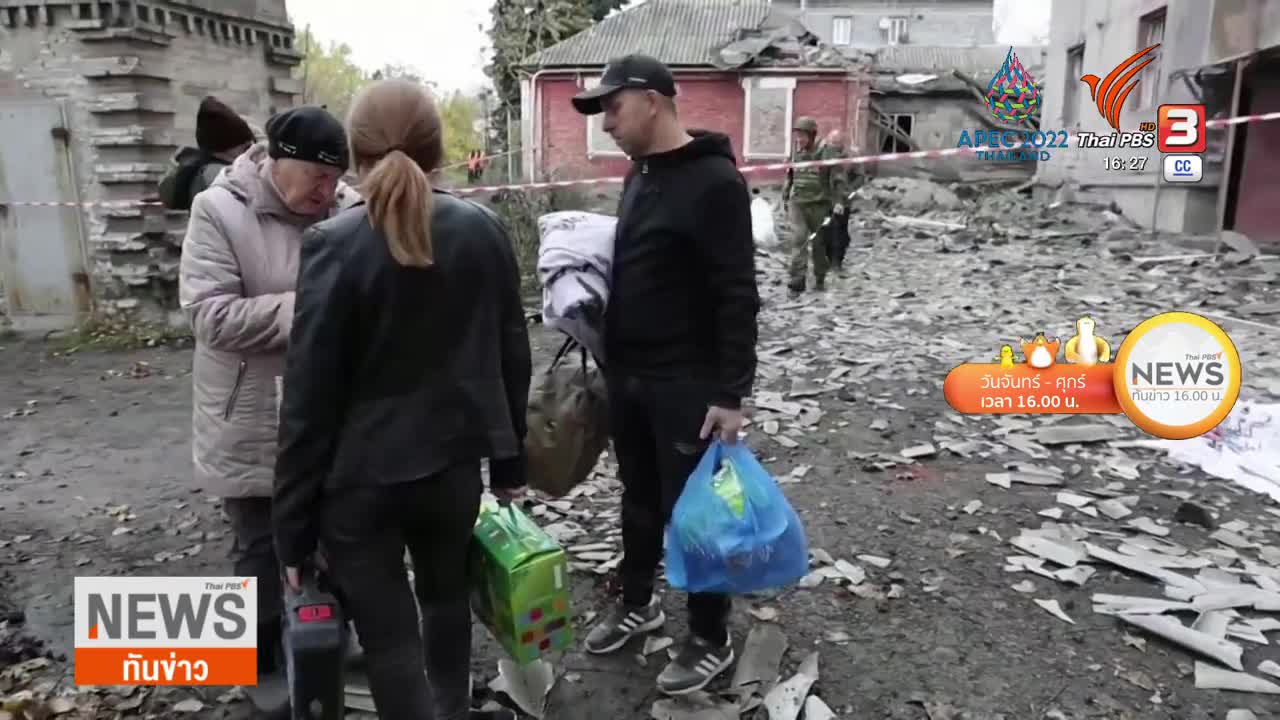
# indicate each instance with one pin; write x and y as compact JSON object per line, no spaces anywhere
{"x":1013,"y":97}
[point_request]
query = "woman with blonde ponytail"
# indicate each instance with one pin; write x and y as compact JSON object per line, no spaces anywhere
{"x":408,"y":364}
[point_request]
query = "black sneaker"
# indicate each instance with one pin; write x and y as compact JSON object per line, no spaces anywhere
{"x":623,"y":623}
{"x":698,"y":663}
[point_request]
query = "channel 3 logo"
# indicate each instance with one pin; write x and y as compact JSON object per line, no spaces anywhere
{"x":1180,"y":129}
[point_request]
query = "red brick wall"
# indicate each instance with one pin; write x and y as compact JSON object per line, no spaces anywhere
{"x":712,"y":101}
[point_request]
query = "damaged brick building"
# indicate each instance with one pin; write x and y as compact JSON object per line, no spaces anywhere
{"x":94,"y":99}
{"x":740,"y":68}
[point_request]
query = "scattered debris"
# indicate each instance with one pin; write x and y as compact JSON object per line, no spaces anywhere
{"x":527,"y":686}
{"x":695,"y":706}
{"x":786,"y":700}
{"x":1052,"y":607}
{"x":762,"y":653}
{"x":1209,"y":677}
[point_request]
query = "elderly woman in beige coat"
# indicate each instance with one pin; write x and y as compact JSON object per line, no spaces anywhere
{"x":239,"y":267}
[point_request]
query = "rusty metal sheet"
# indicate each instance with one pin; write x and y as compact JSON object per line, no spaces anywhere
{"x":41,"y":248}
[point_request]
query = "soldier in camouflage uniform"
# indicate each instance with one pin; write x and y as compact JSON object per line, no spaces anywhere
{"x":838,"y":239}
{"x":812,"y":194}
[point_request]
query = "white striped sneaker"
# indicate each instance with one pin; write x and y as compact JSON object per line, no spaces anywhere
{"x":622,"y":623}
{"x":698,"y":663}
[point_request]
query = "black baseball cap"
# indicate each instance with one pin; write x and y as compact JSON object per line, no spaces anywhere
{"x":639,"y":72}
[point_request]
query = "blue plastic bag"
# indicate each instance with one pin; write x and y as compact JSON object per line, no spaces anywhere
{"x":732,"y":530}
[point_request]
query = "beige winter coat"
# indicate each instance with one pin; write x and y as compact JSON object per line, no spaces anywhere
{"x":236,"y":282}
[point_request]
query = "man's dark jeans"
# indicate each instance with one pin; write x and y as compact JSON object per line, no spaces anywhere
{"x":365,"y":532}
{"x":254,"y":553}
{"x":655,"y":426}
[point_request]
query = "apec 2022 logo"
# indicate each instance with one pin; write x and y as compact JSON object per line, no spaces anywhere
{"x":1013,"y":97}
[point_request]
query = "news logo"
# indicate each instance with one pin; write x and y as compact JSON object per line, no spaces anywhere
{"x":1180,"y":129}
{"x":166,"y":631}
{"x":1177,"y":375}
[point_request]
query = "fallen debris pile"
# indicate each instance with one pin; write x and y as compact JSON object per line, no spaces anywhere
{"x":1233,"y":581}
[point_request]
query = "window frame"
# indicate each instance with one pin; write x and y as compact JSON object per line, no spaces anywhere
{"x":893,"y":116}
{"x":896,"y":30}
{"x":1149,"y":91}
{"x":589,"y":83}
{"x":767,"y":82}
{"x":847,"y":22}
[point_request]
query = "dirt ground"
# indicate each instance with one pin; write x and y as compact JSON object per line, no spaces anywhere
{"x":99,"y":441}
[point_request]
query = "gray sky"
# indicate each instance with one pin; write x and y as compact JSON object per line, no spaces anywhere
{"x":445,"y":39}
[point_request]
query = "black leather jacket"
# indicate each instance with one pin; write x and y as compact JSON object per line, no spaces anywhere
{"x":395,"y":373}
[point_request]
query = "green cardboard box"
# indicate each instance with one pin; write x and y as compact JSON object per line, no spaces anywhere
{"x":520,"y":584}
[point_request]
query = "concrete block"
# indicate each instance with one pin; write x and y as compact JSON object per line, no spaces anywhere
{"x":129,"y":102}
{"x":121,"y":66}
{"x":286,"y":85}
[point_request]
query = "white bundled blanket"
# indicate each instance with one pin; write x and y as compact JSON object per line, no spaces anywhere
{"x":762,"y":227}
{"x":575,"y":260}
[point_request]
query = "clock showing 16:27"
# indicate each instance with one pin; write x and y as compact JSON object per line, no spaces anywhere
{"x":1124,"y":164}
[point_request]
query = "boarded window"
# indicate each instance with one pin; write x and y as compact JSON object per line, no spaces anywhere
{"x":767,"y":116}
{"x":892,"y":142}
{"x":598,"y":141}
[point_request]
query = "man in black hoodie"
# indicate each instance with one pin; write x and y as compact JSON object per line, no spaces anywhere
{"x":680,"y":341}
{"x":221,"y":136}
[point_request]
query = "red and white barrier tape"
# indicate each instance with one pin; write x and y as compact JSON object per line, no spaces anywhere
{"x":617,"y":179}
{"x":484,"y":159}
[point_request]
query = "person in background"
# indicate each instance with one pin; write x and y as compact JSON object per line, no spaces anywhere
{"x":680,"y":338}
{"x":409,"y":363}
{"x":236,"y":285}
{"x":812,"y":194}
{"x":221,"y":136}
{"x":838,"y":239}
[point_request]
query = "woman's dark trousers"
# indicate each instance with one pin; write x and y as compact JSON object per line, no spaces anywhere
{"x":365,"y":533}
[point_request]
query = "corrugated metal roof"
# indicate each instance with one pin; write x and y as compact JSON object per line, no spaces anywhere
{"x":973,"y":60}
{"x":677,"y":32}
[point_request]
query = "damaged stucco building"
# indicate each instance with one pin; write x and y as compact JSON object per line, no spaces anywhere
{"x":931,"y":61}
{"x":94,"y":99}
{"x":882,"y":23}
{"x":1220,"y":53}
{"x":924,"y":97}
